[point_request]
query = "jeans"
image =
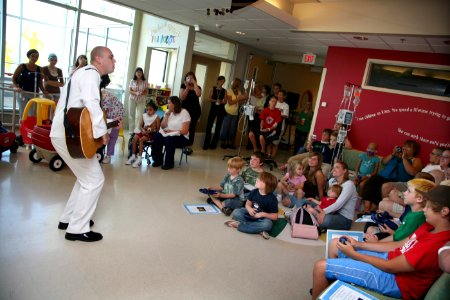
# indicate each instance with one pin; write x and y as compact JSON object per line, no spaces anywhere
{"x":228,"y":130}
{"x":256,"y":226}
{"x":336,"y":221}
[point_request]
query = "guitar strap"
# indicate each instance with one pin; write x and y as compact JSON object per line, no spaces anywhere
{"x":69,"y":130}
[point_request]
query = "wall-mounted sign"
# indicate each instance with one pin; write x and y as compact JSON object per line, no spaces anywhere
{"x":309,"y":58}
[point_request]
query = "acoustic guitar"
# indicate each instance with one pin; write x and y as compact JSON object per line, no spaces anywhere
{"x":81,"y":143}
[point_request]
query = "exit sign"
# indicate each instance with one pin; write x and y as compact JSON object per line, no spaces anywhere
{"x":309,"y":58}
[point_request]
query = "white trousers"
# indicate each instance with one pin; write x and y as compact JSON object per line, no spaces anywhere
{"x":84,"y":196}
{"x":135,"y":112}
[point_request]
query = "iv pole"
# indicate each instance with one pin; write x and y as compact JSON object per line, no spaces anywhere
{"x":243,"y":115}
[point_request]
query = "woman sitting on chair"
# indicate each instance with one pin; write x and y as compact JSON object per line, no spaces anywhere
{"x":174,"y":133}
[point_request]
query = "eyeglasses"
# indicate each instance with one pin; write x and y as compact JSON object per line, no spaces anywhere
{"x":435,"y":154}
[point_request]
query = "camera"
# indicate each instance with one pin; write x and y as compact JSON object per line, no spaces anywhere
{"x":398,"y":149}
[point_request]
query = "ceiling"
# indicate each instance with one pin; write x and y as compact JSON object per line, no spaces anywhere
{"x":279,"y":34}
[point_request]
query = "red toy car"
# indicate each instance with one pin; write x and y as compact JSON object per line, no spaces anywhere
{"x":43,"y":148}
{"x":7,"y":141}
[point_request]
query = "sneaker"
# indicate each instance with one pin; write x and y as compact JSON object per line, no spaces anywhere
{"x":131,"y":159}
{"x":106,"y":160}
{"x":265,"y":235}
{"x":137,"y":163}
{"x":227,"y":211}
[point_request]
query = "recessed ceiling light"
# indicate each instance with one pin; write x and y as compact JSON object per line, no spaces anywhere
{"x":240,"y":33}
{"x":360,"y":37}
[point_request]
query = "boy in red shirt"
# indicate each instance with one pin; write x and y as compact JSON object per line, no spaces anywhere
{"x":409,"y":268}
{"x":270,"y":119}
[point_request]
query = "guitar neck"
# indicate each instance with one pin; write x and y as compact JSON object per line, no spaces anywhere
{"x":112,"y":124}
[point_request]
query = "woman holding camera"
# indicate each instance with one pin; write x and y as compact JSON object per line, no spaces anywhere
{"x":190,"y":94}
{"x":400,"y":166}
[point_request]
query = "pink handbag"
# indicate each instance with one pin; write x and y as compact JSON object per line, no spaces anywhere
{"x":304,"y":225}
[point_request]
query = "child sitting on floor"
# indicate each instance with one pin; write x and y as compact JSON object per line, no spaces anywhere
{"x":252,"y":173}
{"x":149,"y":127}
{"x":261,"y":208}
{"x":230,"y":194}
{"x":291,"y":184}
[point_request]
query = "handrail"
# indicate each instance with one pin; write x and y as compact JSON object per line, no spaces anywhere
{"x":7,"y":87}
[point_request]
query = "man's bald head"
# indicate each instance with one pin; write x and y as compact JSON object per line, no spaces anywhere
{"x":103,"y":59}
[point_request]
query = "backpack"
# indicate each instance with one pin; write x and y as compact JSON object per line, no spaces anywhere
{"x":304,"y":225}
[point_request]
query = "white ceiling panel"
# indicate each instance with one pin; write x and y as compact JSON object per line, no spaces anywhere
{"x":273,"y":32}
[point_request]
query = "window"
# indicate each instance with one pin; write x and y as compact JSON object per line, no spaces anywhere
{"x":158,"y":63}
{"x":423,"y":80}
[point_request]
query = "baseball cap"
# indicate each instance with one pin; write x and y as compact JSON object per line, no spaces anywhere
{"x":52,"y":56}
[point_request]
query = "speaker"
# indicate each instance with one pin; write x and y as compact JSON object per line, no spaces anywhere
{"x":292,"y":100}
{"x":238,"y":4}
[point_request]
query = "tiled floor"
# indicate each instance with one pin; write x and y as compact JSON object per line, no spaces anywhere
{"x":152,"y":248}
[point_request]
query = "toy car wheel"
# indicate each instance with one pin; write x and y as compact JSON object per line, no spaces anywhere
{"x":14,"y":147}
{"x":34,"y":157}
{"x":56,"y":163}
{"x":99,"y":156}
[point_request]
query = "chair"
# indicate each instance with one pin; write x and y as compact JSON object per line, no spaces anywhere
{"x":148,"y":149}
{"x":123,"y":139}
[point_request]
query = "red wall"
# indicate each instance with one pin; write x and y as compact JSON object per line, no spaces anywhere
{"x":379,"y":117}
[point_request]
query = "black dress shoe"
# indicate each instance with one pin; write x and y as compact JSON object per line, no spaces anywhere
{"x":63,"y":226}
{"x":84,"y":237}
{"x":156,"y":165}
{"x":205,"y":147}
{"x":167,"y":167}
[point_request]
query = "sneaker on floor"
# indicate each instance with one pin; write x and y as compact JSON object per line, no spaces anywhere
{"x":265,"y":235}
{"x":137,"y":163}
{"x":131,"y":159}
{"x":106,"y":160}
{"x":227,"y":211}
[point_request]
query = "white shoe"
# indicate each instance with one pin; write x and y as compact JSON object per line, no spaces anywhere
{"x":131,"y":159}
{"x":137,"y":163}
{"x":106,"y":160}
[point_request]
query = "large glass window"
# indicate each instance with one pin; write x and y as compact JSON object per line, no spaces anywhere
{"x":51,"y":28}
{"x":158,"y":63}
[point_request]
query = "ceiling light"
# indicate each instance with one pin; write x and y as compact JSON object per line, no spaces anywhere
{"x":240,"y":33}
{"x":360,"y":37}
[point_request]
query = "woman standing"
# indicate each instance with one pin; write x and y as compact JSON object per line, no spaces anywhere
{"x":79,"y":63}
{"x":217,"y":112}
{"x":27,"y":79}
{"x":174,"y":133}
{"x":229,"y":125}
{"x":53,"y":76}
{"x":340,"y":214}
{"x":138,"y":89}
{"x":257,"y":100}
{"x":189,"y":96}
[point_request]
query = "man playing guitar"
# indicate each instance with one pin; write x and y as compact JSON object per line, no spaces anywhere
{"x":84,"y":92}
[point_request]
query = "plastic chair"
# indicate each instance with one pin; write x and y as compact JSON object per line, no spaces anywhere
{"x":123,"y":139}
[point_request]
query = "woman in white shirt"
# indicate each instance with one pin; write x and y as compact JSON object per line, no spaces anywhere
{"x":340,"y":214}
{"x":174,"y":133}
{"x":136,"y":106}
